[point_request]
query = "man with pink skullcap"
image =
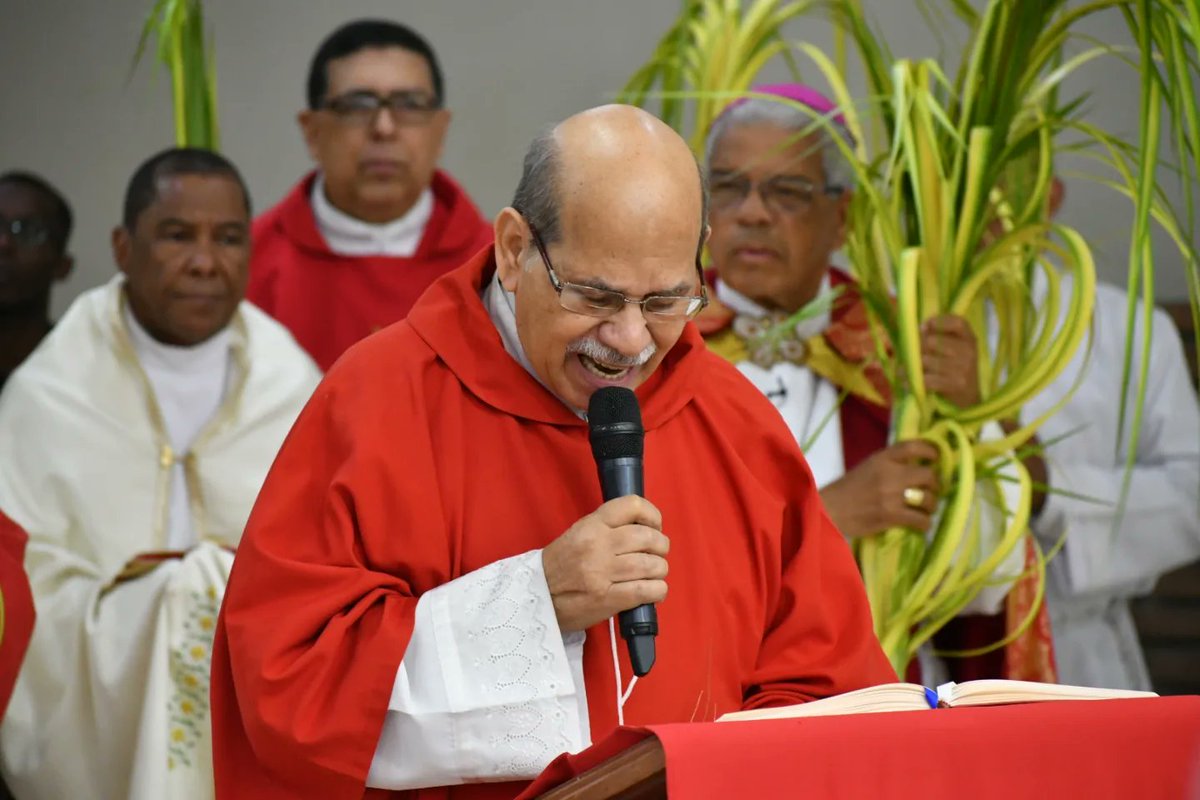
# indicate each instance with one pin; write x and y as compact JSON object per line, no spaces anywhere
{"x":781,"y":191}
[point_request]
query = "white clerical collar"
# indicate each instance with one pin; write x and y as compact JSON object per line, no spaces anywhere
{"x":348,"y":236}
{"x":743,"y":305}
{"x":209,"y":356}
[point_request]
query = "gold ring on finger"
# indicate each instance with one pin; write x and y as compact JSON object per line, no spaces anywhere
{"x":914,"y":497}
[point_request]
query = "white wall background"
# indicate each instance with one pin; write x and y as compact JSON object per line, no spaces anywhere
{"x":68,"y":111}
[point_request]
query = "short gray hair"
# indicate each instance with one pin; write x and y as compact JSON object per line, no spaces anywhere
{"x":537,"y":197}
{"x":758,"y":110}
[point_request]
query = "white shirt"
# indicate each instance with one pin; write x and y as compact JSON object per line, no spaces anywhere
{"x":348,"y":236}
{"x":188,"y":384}
{"x":807,"y":402}
{"x":456,"y":715}
{"x":1106,"y":559}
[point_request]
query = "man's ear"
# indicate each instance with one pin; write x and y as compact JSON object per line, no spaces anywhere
{"x":122,"y":244}
{"x":309,"y":129}
{"x":511,"y":236}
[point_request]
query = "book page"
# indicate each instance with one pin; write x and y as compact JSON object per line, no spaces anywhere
{"x":873,"y":699}
{"x":998,"y":692}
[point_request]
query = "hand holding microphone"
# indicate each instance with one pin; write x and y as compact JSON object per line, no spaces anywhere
{"x":613,"y":560}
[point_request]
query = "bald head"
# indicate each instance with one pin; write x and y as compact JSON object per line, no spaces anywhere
{"x":610,"y":208}
{"x":614,"y":163}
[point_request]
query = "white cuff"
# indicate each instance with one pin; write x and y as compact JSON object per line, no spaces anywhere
{"x":489,"y":688}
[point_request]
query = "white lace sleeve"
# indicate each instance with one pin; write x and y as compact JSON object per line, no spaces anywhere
{"x":489,"y":688}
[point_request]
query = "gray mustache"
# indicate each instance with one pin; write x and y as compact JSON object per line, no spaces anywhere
{"x":606,"y":355}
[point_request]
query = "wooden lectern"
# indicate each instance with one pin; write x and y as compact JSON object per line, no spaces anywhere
{"x":1144,"y":748}
{"x":639,"y":773}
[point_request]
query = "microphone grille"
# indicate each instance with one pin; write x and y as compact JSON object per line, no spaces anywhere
{"x":615,"y":423}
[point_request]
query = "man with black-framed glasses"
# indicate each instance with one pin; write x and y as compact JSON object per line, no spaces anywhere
{"x":35,"y":224}
{"x":424,"y":591}
{"x":356,"y":242}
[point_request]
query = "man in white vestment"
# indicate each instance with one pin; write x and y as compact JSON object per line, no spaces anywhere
{"x":780,"y":198}
{"x":136,"y":438}
{"x":1108,"y":558}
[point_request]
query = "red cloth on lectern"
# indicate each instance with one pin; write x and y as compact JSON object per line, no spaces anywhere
{"x":18,"y":606}
{"x":427,"y":453}
{"x":1146,"y":749}
{"x":329,"y":301}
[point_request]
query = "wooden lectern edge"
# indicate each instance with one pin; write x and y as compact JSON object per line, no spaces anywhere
{"x":639,"y":773}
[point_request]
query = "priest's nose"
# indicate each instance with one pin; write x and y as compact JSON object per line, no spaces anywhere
{"x":202,"y":260}
{"x":384,"y":125}
{"x":626,"y":331}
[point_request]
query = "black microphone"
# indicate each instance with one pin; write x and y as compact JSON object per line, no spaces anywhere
{"x":615,"y":430}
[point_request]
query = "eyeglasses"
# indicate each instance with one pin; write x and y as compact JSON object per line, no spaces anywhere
{"x":26,"y":232}
{"x":782,"y":194}
{"x":361,"y":108}
{"x":593,"y":302}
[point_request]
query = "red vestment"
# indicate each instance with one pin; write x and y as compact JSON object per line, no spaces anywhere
{"x":427,"y":453}
{"x":18,"y":606}
{"x":329,"y":301}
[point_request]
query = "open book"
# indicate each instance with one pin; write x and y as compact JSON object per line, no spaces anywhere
{"x":912,"y":697}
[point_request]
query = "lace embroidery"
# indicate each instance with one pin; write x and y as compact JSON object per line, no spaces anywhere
{"x":511,"y":654}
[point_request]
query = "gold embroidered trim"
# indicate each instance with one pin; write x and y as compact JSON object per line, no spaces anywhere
{"x":126,"y":355}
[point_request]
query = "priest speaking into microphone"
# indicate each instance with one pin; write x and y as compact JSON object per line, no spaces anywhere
{"x":423,"y":594}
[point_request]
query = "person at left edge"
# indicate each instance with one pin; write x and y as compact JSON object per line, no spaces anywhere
{"x":356,"y":242}
{"x":35,"y":225}
{"x":135,"y":439}
{"x":422,"y":595}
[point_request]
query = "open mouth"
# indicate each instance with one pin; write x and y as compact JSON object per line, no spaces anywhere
{"x":605,"y":371}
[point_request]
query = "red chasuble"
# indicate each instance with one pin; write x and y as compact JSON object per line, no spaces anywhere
{"x":329,"y":301}
{"x":428,"y":453}
{"x":18,"y":606}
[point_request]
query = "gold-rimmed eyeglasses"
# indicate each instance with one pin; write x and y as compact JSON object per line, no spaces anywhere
{"x":595,"y":302}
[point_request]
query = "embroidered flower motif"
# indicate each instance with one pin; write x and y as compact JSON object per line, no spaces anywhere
{"x":769,"y":340}
{"x":187,"y":711}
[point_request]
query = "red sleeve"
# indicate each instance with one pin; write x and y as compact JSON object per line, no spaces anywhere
{"x":17,"y":609}
{"x":321,"y":600}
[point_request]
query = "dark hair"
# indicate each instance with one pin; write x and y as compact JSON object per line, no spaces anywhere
{"x":361,"y":35}
{"x":143,"y":186}
{"x":63,"y":219}
{"x":537,"y":197}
